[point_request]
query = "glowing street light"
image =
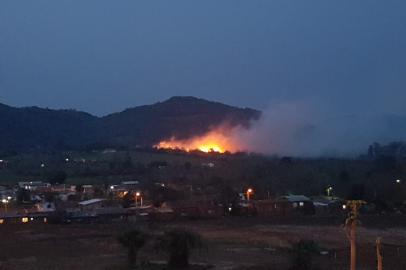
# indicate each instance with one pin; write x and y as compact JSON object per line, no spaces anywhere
{"x":398,"y":181}
{"x":329,"y":190}
{"x":250,"y":191}
{"x":5,"y":202}
{"x":138,"y":194}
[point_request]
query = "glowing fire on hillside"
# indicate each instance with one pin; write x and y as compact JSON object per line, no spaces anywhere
{"x":213,"y":141}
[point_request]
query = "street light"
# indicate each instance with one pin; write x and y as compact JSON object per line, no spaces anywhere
{"x":138,"y":194}
{"x":329,"y":190}
{"x":5,"y":202}
{"x":398,"y":181}
{"x":249,"y":192}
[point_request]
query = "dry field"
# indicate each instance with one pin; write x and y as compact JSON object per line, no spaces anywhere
{"x":232,"y":243}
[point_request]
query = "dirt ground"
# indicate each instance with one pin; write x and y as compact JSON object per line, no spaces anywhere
{"x":231,"y":243}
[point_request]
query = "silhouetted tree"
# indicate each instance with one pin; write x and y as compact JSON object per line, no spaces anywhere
{"x":23,"y":195}
{"x":79,"y":188}
{"x":56,"y":177}
{"x":133,"y":240}
{"x":127,"y":200}
{"x":357,"y":192}
{"x":178,"y":244}
{"x":303,"y":252}
{"x":188,"y":165}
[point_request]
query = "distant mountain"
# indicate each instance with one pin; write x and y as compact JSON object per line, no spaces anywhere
{"x":37,"y":128}
{"x":33,"y":127}
{"x":181,"y":117}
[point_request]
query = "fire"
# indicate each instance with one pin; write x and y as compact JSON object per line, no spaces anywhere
{"x":213,"y":141}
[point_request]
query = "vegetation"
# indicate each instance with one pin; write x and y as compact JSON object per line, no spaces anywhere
{"x":178,"y":244}
{"x":133,"y":240}
{"x":24,"y":129}
{"x":373,"y":180}
{"x":56,"y":177}
{"x":303,"y":252}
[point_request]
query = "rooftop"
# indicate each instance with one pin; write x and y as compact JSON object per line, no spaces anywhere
{"x":92,"y":201}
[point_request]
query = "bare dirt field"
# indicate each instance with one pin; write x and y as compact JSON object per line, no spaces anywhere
{"x":231,"y":243}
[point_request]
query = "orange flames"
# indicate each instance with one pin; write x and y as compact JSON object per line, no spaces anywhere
{"x":213,"y":141}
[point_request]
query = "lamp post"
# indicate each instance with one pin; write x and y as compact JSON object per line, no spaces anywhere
{"x":329,"y":191}
{"x":5,"y":202}
{"x":138,"y":194}
{"x":249,"y":192}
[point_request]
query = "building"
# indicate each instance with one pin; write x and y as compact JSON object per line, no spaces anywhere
{"x":285,"y":205}
{"x":45,"y":207}
{"x":92,"y":204}
{"x":35,"y":186}
{"x":129,"y":185}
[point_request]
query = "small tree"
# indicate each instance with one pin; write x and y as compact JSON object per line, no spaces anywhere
{"x":127,"y":200}
{"x":23,"y":195}
{"x":178,"y":244}
{"x":56,"y":177}
{"x":303,"y":254}
{"x":133,"y":240}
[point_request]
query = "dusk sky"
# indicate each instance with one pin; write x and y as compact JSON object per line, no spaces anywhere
{"x":103,"y":56}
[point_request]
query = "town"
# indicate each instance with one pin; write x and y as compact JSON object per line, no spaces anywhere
{"x":161,"y":188}
{"x":202,"y":135}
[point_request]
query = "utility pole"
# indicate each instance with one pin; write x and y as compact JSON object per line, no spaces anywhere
{"x":351,"y":229}
{"x":379,"y":256}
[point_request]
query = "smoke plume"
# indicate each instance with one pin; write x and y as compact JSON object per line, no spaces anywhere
{"x":307,"y":129}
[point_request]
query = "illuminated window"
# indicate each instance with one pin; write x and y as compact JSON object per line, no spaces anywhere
{"x":301,"y":204}
{"x":24,"y":220}
{"x":1,"y":221}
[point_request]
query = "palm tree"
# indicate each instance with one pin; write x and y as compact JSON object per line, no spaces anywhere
{"x":133,"y":240}
{"x":351,"y":224}
{"x":178,"y":244}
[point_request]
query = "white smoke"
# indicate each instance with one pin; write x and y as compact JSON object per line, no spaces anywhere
{"x":309,"y":130}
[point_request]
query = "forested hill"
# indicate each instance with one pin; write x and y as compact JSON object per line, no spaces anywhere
{"x":31,"y":128}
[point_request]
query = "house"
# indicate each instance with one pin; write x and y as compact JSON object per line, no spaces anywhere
{"x":45,"y":207}
{"x":92,"y":204}
{"x":63,"y":188}
{"x":329,"y":205}
{"x":163,"y":213}
{"x":195,"y":209}
{"x":208,"y":165}
{"x":265,"y":208}
{"x":88,"y":189}
{"x":6,"y":193}
{"x":129,"y":185}
{"x":285,"y":205}
{"x":294,"y":204}
{"x":66,"y":196}
{"x":35,"y":186}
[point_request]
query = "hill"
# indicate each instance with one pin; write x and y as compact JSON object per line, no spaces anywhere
{"x":32,"y":128}
{"x":181,"y":117}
